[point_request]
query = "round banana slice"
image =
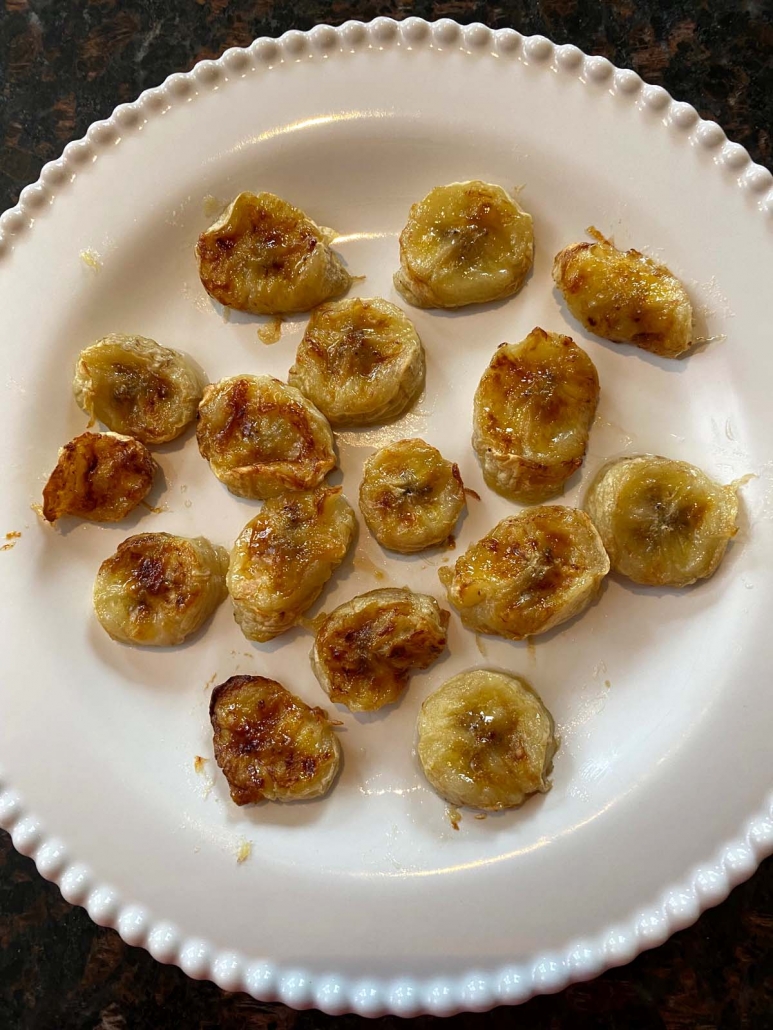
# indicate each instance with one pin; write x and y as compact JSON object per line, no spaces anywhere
{"x":366,"y":648}
{"x":486,"y":740}
{"x":624,"y":296}
{"x":134,"y":386}
{"x":663,"y":522}
{"x":410,"y":496}
{"x":263,"y":438}
{"x":360,"y":361}
{"x":270,"y":745}
{"x":284,"y":556}
{"x":532,"y":572}
{"x":533,"y":410}
{"x":157,"y":589}
{"x":265,"y":256}
{"x":466,"y":243}
{"x":100,"y":477}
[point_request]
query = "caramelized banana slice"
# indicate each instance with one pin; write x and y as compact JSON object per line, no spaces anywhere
{"x":134,"y":386}
{"x":663,"y":522}
{"x":410,"y":496}
{"x":532,"y":572}
{"x":360,"y":361}
{"x":157,"y":589}
{"x":366,"y":648}
{"x":284,"y":556}
{"x":466,"y":243}
{"x":486,"y":740}
{"x":270,"y":745}
{"x":263,"y":438}
{"x":625,"y":296}
{"x":100,"y":477}
{"x":534,"y":407}
{"x":265,"y":256}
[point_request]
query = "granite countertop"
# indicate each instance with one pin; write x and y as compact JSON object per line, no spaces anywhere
{"x":64,"y":64}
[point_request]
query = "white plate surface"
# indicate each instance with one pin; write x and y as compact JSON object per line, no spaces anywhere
{"x":369,"y":900}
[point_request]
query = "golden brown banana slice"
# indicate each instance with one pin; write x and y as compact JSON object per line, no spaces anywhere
{"x":265,"y":256}
{"x":136,"y":387}
{"x":486,"y":740}
{"x":100,"y":477}
{"x":533,"y":410}
{"x":157,"y":588}
{"x":410,"y":496}
{"x":663,"y":522}
{"x":466,"y":243}
{"x":271,"y":745}
{"x":360,"y":361}
{"x":263,"y":438}
{"x":532,"y":572}
{"x":624,"y":296}
{"x":365,"y":649}
{"x":284,"y":556}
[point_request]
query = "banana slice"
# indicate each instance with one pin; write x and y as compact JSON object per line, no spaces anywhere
{"x":100,"y":477}
{"x":663,"y":522}
{"x":532,"y":572}
{"x":533,"y":410}
{"x":263,"y":438}
{"x":466,"y":243}
{"x":486,"y":740}
{"x":270,"y":745}
{"x":265,"y":256}
{"x":134,"y":386}
{"x":366,"y":648}
{"x":284,"y":556}
{"x":360,"y":361}
{"x":410,"y":496}
{"x":624,"y":296}
{"x":157,"y":589}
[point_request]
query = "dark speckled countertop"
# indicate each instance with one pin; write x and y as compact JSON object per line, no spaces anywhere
{"x":64,"y":63}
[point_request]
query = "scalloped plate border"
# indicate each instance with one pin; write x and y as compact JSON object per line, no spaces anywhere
{"x":478,"y":990}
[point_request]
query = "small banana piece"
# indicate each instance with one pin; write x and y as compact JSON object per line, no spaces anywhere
{"x":138,"y":388}
{"x":366,"y":648}
{"x":265,"y":256}
{"x":410,"y":496}
{"x":533,"y":410}
{"x":100,"y":477}
{"x":532,"y":572}
{"x":157,"y":588}
{"x":624,"y":296}
{"x":269,"y":744}
{"x":466,"y":243}
{"x":663,"y":522}
{"x":360,"y":361}
{"x":284,"y":556}
{"x":263,"y":438}
{"x":486,"y":740}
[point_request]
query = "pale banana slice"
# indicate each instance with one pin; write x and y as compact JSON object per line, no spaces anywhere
{"x":157,"y":589}
{"x":284,"y":556}
{"x":532,"y":572}
{"x":271,"y":745}
{"x":486,"y":740}
{"x":265,"y":256}
{"x":663,"y":522}
{"x":624,"y":296}
{"x":360,"y":361}
{"x":136,"y":387}
{"x":410,"y":496}
{"x":365,"y":649}
{"x":466,"y":243}
{"x":533,"y":410}
{"x":263,"y":438}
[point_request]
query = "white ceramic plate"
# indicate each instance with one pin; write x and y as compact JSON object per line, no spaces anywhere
{"x":369,"y":900}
